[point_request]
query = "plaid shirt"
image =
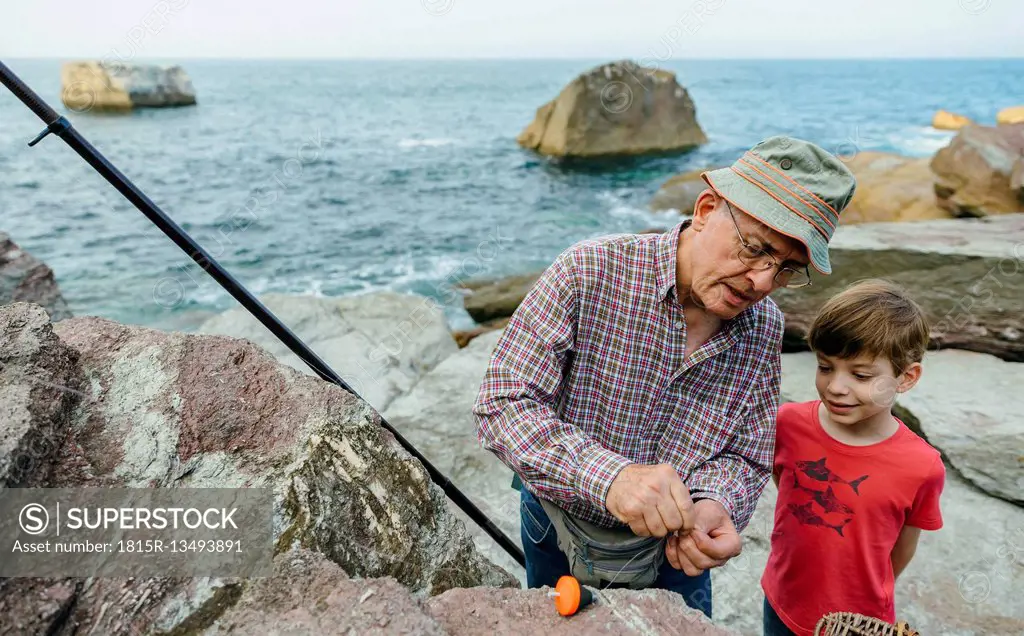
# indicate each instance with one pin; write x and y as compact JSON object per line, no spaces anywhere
{"x":590,"y":376}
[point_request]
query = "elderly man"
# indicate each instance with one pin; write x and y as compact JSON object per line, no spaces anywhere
{"x":635,"y":389}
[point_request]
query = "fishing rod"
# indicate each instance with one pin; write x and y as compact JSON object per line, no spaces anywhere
{"x":60,"y":126}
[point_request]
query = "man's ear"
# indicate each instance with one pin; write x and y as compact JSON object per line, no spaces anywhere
{"x":909,"y":377}
{"x":703,"y":208}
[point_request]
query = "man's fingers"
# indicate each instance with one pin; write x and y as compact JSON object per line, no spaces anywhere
{"x":688,"y":566}
{"x":677,"y":558}
{"x":655,"y":525}
{"x":672,"y":552}
{"x":670,"y":515}
{"x":722,"y":547}
{"x":695,"y":555}
{"x":681,"y":496}
{"x":639,"y":527}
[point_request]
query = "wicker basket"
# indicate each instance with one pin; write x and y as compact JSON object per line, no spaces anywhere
{"x":851,"y":624}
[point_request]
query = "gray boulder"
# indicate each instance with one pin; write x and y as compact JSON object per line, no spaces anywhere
{"x":381,"y":344}
{"x":981,"y":171}
{"x":119,"y":86}
{"x":437,"y":418}
{"x":39,"y":385}
{"x":309,"y":595}
{"x":168,"y":410}
{"x":25,"y":278}
{"x":501,"y":612}
{"x":616,"y":109}
{"x":495,"y":298}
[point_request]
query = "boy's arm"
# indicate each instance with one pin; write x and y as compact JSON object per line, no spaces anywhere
{"x":925,"y":514}
{"x":904,"y":549}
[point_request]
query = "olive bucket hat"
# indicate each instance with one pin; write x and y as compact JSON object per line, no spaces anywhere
{"x":792,"y":186}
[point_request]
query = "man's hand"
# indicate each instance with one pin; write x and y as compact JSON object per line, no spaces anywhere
{"x":712,"y":542}
{"x":653,"y":500}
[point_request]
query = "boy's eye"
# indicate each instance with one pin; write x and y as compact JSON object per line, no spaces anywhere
{"x":824,"y":368}
{"x":861,"y":376}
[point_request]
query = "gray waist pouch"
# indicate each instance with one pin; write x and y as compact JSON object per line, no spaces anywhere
{"x":605,"y":556}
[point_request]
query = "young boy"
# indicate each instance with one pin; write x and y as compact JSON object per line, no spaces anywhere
{"x":856,"y":486}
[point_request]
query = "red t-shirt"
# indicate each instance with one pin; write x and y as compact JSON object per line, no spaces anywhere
{"x":839,"y":513}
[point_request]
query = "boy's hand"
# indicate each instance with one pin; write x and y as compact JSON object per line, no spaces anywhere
{"x":653,"y":500}
{"x":712,"y":542}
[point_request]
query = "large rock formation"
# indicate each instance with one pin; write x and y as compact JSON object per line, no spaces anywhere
{"x":379,"y":343}
{"x":141,"y":408}
{"x":117,"y":86}
{"x":436,"y":417}
{"x":981,"y":171}
{"x":313,"y":596}
{"x":25,"y":278}
{"x":310,"y":595}
{"x":966,"y":404}
{"x":891,"y":187}
{"x":493,"y":298}
{"x":966,"y":274}
{"x":502,"y":612}
{"x":616,"y":109}
{"x":39,"y":387}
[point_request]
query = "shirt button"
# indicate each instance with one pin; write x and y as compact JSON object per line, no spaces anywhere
{"x":678,"y":324}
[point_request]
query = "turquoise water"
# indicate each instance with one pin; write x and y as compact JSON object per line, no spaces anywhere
{"x":345,"y":177}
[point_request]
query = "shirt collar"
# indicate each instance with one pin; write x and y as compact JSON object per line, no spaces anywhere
{"x":665,"y":259}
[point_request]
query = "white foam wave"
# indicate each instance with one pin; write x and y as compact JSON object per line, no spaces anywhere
{"x":623,"y":209}
{"x":425,"y":143}
{"x":920,"y":141}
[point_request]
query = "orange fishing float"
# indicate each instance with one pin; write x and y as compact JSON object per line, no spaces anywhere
{"x":570,"y":596}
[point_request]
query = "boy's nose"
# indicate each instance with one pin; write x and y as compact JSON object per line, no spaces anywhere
{"x":837,"y":387}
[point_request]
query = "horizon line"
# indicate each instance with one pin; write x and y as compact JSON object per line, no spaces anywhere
{"x":610,"y":59}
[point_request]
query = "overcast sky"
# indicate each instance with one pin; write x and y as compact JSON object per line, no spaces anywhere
{"x":656,"y":29}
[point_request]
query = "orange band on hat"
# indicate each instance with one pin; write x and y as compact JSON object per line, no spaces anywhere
{"x":788,"y":206}
{"x":785,"y":189}
{"x":791,"y":180}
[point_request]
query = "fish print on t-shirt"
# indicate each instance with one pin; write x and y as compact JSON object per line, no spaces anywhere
{"x":817,"y":470}
{"x":823,"y":506}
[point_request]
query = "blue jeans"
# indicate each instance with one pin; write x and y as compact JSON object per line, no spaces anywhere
{"x":545,"y":562}
{"x":772,"y":624}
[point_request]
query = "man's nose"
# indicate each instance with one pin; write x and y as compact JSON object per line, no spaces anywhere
{"x":762,"y":280}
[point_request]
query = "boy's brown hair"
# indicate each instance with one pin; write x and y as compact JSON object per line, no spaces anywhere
{"x":874,"y":317}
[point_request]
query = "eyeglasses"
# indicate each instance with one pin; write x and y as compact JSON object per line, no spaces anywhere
{"x":757,"y":259}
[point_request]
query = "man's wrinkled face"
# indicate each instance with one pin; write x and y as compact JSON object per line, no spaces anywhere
{"x":719,"y":281}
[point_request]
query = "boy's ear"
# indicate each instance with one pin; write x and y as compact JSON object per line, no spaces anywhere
{"x":909,"y":377}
